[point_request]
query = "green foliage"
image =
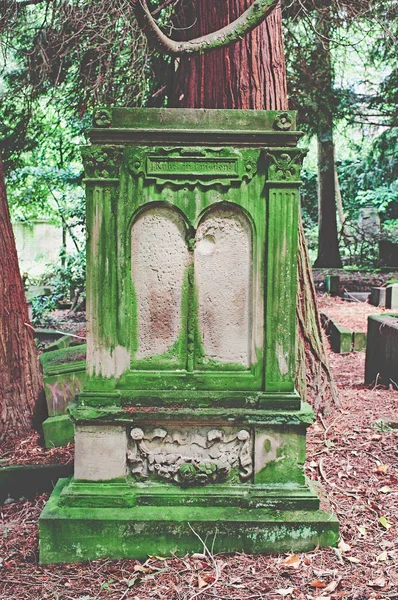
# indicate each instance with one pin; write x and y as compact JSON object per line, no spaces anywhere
{"x":370,"y":178}
{"x":65,"y":278}
{"x":373,"y":178}
{"x":308,"y":198}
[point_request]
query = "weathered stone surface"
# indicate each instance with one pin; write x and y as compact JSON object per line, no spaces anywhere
{"x":359,"y":341}
{"x":378,"y":296}
{"x":74,"y":534}
{"x":369,"y":223}
{"x":332,"y":283}
{"x":392,"y":296}
{"x":64,"y":373}
{"x":279,"y":455}
{"x":26,"y":481}
{"x":190,"y":455}
{"x":159,"y":262}
{"x":340,"y":338}
{"x":58,"y":431}
{"x":223,"y":275}
{"x":189,"y":412}
{"x":381,"y":364}
{"x":100,"y":452}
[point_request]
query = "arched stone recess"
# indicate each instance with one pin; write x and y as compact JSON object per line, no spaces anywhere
{"x":159,"y":264}
{"x":223,"y":266}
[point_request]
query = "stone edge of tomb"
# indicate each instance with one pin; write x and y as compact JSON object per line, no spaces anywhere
{"x":250,"y":128}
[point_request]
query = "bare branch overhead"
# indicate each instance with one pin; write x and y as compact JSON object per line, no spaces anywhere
{"x":249,"y":20}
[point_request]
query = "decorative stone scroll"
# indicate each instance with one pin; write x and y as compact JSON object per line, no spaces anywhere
{"x":182,"y":166}
{"x":283,"y":122}
{"x":190,"y":455}
{"x":102,"y":162}
{"x":284,"y":165}
{"x":102,"y":118}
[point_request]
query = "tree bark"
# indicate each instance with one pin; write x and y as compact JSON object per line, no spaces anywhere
{"x":248,"y":74}
{"x":328,"y":245}
{"x":233,"y":31}
{"x":251,"y":74}
{"x":313,"y":377}
{"x":344,"y":231}
{"x":21,"y":382}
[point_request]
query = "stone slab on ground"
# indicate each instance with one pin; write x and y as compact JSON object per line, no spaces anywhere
{"x":378,"y":296}
{"x":392,"y":296}
{"x":58,"y":431}
{"x":332,"y":284}
{"x":341,"y":338}
{"x":64,"y":372}
{"x":26,"y":481}
{"x":75,"y":534}
{"x":381,"y":364}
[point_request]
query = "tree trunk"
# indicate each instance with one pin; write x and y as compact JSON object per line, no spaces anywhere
{"x":328,"y":246}
{"x":21,"y":381}
{"x":251,"y":74}
{"x":248,"y":74}
{"x":344,"y":231}
{"x":313,"y":375}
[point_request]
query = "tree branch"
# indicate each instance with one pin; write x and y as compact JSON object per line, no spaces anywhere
{"x":249,"y":20}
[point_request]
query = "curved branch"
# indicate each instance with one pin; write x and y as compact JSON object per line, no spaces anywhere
{"x":248,"y":20}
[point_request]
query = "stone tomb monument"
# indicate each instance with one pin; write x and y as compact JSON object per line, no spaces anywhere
{"x":189,"y":422}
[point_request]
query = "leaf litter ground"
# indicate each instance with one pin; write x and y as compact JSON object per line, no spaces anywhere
{"x":350,"y":452}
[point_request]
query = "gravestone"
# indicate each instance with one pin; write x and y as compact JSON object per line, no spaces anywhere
{"x":378,"y":296}
{"x":369,"y":223}
{"x":189,"y":424}
{"x":392,"y":296}
{"x":381,"y":365}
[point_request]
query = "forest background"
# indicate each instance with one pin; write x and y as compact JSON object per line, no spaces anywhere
{"x":60,"y":59}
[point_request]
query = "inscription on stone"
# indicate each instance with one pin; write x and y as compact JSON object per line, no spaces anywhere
{"x":183,"y":165}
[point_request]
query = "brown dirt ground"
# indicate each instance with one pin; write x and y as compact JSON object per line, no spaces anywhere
{"x":356,"y":462}
{"x":353,"y":315}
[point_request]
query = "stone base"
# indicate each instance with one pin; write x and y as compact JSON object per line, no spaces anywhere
{"x":86,"y":521}
{"x":58,"y":431}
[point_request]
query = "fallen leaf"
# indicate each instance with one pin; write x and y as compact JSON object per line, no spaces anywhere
{"x":352,"y":559}
{"x":382,"y":556}
{"x":284,"y":592}
{"x":385,"y":489}
{"x":201,"y":582}
{"x":343,"y":547}
{"x":139,"y":568}
{"x":317,"y":583}
{"x":378,"y":582}
{"x":199,"y":556}
{"x":292,"y":561}
{"x":385,"y":522}
{"x":332,"y":586}
{"x":362,"y":530}
{"x":382,"y":469}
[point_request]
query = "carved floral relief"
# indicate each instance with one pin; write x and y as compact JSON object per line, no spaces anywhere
{"x":190,"y":456}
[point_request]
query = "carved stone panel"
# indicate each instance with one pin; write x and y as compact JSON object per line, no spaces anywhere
{"x":159,"y":260}
{"x":190,"y":456}
{"x":223,"y":274}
